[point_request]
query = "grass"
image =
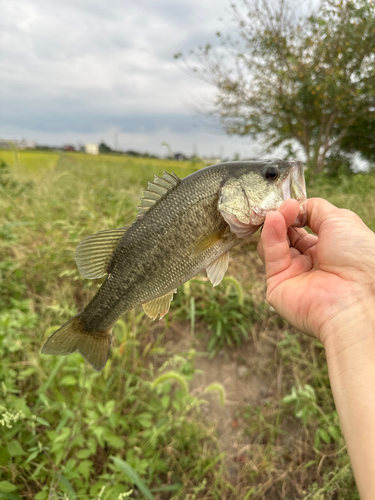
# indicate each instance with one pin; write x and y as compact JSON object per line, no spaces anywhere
{"x":139,"y":429}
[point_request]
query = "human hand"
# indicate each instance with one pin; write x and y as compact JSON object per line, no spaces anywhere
{"x":320,"y":283}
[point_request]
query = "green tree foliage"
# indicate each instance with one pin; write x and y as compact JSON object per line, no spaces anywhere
{"x":308,"y":80}
{"x":103,"y":148}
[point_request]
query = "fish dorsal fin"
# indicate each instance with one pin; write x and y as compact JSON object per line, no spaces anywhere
{"x":207,"y":242}
{"x":160,"y":305}
{"x":216,"y":270}
{"x":157,"y":190}
{"x":94,"y":252}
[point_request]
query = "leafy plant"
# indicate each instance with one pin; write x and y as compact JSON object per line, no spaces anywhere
{"x":61,"y":422}
{"x":304,"y":401}
{"x":228,"y":313}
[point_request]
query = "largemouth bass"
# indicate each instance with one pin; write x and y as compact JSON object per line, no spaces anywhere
{"x":183,"y":227}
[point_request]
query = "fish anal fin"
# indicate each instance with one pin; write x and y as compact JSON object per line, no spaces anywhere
{"x":157,"y":191}
{"x":160,"y":305}
{"x":71,"y":337}
{"x":207,"y":242}
{"x":216,"y":270}
{"x":94,"y":253}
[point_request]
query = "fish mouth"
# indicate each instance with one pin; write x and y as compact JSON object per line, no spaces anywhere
{"x":294,"y":186}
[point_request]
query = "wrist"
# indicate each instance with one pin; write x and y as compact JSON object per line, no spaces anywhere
{"x":350,"y":351}
{"x":351,"y":334}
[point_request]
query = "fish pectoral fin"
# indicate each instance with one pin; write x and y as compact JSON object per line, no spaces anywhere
{"x":71,"y":337}
{"x":218,"y":268}
{"x":94,"y":253}
{"x":160,"y":305}
{"x":207,"y":242}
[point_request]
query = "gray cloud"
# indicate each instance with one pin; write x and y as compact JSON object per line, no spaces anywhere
{"x":87,"y":66}
{"x":88,"y":122}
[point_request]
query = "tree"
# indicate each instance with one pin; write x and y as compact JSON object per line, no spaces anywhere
{"x":310,"y":81}
{"x":103,"y":148}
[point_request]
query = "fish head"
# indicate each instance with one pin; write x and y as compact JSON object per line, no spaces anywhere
{"x":255,"y":188}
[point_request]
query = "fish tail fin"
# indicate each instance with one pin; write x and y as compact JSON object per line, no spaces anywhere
{"x":72,"y":336}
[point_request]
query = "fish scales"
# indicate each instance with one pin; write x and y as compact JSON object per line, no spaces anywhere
{"x":183,"y":227}
{"x":157,"y":249}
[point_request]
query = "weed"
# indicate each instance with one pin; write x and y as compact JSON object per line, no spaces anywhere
{"x":61,"y":422}
{"x":227,"y":311}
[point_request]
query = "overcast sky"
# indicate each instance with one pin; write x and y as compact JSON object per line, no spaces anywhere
{"x":77,"y":71}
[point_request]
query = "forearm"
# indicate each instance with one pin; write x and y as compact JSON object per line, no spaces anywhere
{"x":350,"y":354}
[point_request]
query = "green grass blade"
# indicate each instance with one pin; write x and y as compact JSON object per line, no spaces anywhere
{"x":10,"y":496}
{"x":169,"y":487}
{"x":48,"y":382}
{"x":175,"y":376}
{"x":192,"y":316}
{"x":65,"y":481}
{"x":134,"y":477}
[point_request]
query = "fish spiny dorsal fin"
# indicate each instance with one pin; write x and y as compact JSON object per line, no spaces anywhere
{"x":94,"y":253}
{"x":171,"y":178}
{"x":157,"y":191}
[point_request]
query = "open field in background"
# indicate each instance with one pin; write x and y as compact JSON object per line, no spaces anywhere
{"x":221,"y":399}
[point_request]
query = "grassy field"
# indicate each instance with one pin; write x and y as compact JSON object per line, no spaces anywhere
{"x":221,"y":399}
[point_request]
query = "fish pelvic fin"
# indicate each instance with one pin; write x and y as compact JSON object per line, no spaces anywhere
{"x":71,"y":337}
{"x":216,"y":270}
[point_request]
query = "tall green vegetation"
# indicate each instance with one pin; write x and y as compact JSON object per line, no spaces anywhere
{"x":307,"y":81}
{"x":65,"y":430}
{"x":143,"y":427}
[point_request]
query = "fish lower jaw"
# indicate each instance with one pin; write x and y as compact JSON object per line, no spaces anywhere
{"x":256,"y":219}
{"x":301,"y":219}
{"x":243,"y":228}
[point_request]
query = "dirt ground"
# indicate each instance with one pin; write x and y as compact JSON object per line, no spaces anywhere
{"x":247,"y":373}
{"x":244,"y":374}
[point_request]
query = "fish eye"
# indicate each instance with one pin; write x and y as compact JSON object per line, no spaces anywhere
{"x":272,"y":174}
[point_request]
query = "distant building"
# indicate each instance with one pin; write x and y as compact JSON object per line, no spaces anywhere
{"x":15,"y":143}
{"x":211,"y":161}
{"x":24,"y":144}
{"x":4,"y":144}
{"x":179,"y":157}
{"x":92,"y":149}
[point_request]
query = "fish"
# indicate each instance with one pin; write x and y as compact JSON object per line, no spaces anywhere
{"x":183,"y":226}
